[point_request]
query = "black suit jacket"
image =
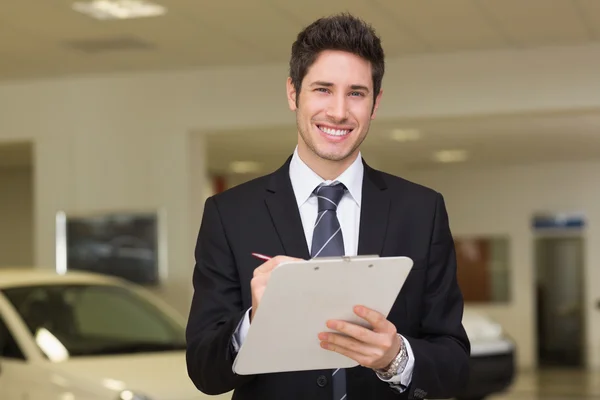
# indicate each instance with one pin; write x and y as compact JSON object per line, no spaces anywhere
{"x":398,"y":218}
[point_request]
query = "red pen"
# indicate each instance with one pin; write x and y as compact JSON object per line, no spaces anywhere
{"x":261,"y":256}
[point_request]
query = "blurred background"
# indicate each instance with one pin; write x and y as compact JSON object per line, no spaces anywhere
{"x":119,"y":118}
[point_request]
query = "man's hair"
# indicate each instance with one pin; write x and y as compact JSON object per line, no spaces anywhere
{"x":338,"y":32}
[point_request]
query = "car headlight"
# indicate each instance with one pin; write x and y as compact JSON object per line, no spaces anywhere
{"x":131,"y":395}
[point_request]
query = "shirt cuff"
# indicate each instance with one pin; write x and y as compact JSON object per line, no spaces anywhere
{"x":402,"y":380}
{"x":241,"y":331}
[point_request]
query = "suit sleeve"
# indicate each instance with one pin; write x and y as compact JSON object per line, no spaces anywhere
{"x":441,"y":353}
{"x":216,"y":309}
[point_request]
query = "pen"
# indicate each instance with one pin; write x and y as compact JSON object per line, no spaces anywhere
{"x":261,"y":256}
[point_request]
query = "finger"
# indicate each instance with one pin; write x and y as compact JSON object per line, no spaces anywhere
{"x":266,"y":267}
{"x":269,"y":265}
{"x":377,"y":320}
{"x":357,"y":332}
{"x":282,"y":259}
{"x":259,"y":280}
{"x":348,"y":343}
{"x":358,"y":357}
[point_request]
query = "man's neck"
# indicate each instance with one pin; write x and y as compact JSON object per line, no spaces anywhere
{"x":326,"y":169}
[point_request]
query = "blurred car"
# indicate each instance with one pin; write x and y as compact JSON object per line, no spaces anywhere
{"x":82,"y":336}
{"x":492,"y":357}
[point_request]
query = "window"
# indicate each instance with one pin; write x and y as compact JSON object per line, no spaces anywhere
{"x":483,"y":269}
{"x":102,"y":312}
{"x":73,"y":320}
{"x":8,"y":345}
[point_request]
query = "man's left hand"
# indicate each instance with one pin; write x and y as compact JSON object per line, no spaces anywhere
{"x":372,"y":348}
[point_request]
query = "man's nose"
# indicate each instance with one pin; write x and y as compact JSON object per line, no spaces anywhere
{"x":338,"y":109}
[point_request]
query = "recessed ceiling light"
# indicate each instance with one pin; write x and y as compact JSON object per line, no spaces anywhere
{"x":447,"y":156}
{"x":244,"y":167}
{"x":405,"y":135}
{"x":118,"y":9}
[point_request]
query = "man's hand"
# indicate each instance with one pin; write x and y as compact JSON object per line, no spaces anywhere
{"x":374,"y":348}
{"x":258,"y":284}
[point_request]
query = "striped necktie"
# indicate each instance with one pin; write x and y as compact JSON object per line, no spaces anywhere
{"x":328,"y":241}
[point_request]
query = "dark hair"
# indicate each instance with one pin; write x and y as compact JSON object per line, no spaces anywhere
{"x":343,"y":32}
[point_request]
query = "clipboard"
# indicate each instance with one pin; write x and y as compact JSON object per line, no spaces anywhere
{"x":299,"y":299}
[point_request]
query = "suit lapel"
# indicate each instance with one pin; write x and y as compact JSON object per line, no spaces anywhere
{"x":374,"y":213}
{"x":281,"y":202}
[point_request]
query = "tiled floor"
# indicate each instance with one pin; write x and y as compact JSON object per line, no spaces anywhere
{"x":554,"y":385}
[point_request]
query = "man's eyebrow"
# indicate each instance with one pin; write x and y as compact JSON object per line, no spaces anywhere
{"x":321,"y":83}
{"x":329,"y":84}
{"x":359,"y":87}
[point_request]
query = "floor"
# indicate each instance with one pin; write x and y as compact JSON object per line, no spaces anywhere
{"x":554,"y":385}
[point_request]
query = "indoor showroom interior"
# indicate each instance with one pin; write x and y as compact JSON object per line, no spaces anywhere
{"x":119,"y":119}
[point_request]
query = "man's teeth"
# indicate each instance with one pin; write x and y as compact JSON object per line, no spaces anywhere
{"x":335,"y":132}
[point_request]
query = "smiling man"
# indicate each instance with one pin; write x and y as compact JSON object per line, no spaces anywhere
{"x":326,"y":201}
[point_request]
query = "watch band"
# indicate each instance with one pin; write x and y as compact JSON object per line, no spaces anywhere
{"x":397,"y":365}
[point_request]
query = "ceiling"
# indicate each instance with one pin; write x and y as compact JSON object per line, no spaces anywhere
{"x":488,"y":141}
{"x":47,"y":38}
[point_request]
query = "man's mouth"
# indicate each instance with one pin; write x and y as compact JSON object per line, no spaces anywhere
{"x":334,"y":131}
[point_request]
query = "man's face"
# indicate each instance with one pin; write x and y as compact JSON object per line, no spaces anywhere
{"x":335,"y":105}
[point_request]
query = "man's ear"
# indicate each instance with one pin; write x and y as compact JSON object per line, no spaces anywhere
{"x":291,"y":94}
{"x":376,"y":104}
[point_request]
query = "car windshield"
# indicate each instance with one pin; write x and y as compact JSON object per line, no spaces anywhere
{"x":87,"y":320}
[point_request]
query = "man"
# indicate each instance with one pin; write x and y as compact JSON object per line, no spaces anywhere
{"x":326,"y":201}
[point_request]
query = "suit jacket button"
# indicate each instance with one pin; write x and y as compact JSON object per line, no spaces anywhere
{"x":322,"y":381}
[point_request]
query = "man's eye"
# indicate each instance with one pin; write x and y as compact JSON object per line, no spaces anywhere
{"x":356,"y":94}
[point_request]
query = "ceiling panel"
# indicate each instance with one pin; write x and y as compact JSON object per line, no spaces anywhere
{"x":51,"y":19}
{"x":397,"y":38}
{"x":449,"y":26}
{"x":538,"y":22}
{"x":17,"y":38}
{"x":252,"y":24}
{"x":29,"y":55}
{"x":181,"y":38}
{"x":589,"y":11}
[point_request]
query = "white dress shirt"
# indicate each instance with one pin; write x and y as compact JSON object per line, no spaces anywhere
{"x":304,"y":181}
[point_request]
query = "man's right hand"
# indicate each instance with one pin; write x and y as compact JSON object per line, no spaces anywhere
{"x":258,"y":284}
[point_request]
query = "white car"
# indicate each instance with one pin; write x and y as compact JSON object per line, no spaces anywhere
{"x":82,"y":336}
{"x":492,"y":357}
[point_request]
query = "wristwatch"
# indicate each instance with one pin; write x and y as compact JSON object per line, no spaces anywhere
{"x":397,"y":365}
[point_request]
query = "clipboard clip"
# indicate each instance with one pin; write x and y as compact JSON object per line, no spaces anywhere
{"x":347,"y":258}
{"x":350,"y":258}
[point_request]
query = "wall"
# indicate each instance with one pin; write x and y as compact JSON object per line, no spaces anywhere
{"x":502,"y":201}
{"x":16,"y":217}
{"x":100,"y":169}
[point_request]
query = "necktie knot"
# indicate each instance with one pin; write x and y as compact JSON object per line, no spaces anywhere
{"x":329,"y":196}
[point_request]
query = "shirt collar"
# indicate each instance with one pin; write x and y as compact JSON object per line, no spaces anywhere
{"x":305,"y":180}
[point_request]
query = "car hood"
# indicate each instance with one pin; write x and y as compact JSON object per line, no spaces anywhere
{"x":159,"y":376}
{"x":480,"y":326}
